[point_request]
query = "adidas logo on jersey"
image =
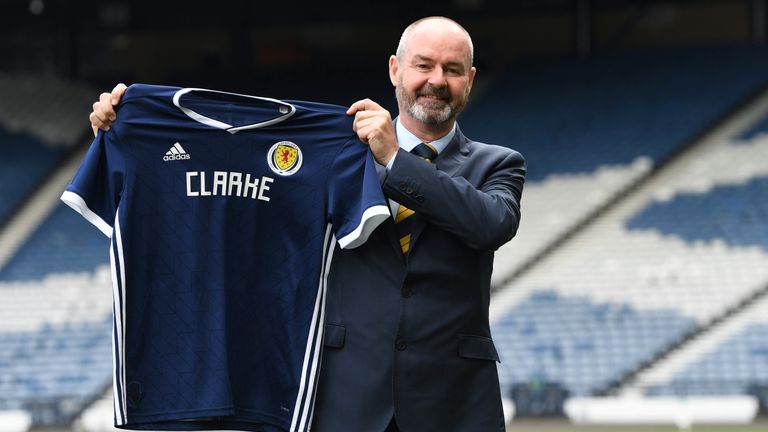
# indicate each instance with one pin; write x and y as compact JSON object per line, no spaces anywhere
{"x":176,"y":153}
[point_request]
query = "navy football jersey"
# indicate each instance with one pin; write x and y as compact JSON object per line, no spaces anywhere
{"x":223,"y":212}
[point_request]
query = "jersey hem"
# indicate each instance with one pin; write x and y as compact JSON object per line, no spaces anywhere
{"x":78,"y":204}
{"x":372,"y":217}
{"x":205,"y":419}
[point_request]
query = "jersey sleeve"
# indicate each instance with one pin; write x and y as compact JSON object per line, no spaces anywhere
{"x":356,"y":203}
{"x":94,"y":191}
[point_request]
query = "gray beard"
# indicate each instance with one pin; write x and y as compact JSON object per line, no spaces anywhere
{"x":420,"y":113}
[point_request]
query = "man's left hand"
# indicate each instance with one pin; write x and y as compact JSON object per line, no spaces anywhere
{"x":373,"y":125}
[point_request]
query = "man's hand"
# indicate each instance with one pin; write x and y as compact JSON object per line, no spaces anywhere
{"x":103,"y":114}
{"x":373,"y":125}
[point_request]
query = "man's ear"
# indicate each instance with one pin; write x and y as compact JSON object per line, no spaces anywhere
{"x":471,"y":78}
{"x":394,"y":66}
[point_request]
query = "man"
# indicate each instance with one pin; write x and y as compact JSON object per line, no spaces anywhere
{"x":407,"y":342}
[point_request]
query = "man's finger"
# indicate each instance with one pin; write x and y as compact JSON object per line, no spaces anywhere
{"x":95,"y":123}
{"x":363,"y":105}
{"x":98,"y":112}
{"x":117,"y":93}
{"x":98,"y":122}
{"x":371,"y":114}
{"x":105,"y":107}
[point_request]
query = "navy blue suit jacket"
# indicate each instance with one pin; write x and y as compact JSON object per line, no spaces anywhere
{"x":410,"y":337}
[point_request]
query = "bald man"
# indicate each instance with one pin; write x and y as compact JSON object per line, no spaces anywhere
{"x":407,"y":343}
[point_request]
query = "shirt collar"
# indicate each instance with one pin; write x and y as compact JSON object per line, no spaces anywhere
{"x":408,"y":140}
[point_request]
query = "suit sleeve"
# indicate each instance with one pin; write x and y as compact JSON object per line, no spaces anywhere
{"x":356,"y":204}
{"x":95,"y":190}
{"x":482,"y":209}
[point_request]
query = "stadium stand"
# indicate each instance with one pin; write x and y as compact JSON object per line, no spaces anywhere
{"x":55,"y":320}
{"x":591,"y":129}
{"x":24,"y":163}
{"x":578,"y":343}
{"x":62,"y":244}
{"x":734,"y":213}
{"x":41,"y":118}
{"x":677,"y":255}
{"x":55,"y":332}
{"x":55,"y":343}
{"x":737,"y":365}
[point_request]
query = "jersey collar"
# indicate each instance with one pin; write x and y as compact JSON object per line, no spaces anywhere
{"x":285,"y":109}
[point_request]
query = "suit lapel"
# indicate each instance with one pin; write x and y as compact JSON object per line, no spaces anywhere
{"x":449,"y":161}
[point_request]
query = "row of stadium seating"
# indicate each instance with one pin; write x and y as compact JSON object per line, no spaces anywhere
{"x":24,"y":163}
{"x":64,"y":243}
{"x":734,"y":213}
{"x":66,"y":361}
{"x":55,"y":343}
{"x":590,"y":129}
{"x":580,"y":344}
{"x":681,"y":252}
{"x":731,"y":368}
{"x":573,"y":116}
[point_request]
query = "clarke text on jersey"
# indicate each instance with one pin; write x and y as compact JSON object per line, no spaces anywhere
{"x":227,"y":183}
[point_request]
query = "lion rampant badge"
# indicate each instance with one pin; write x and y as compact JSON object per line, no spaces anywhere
{"x":284,"y":158}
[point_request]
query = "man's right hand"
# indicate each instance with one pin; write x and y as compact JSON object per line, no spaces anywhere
{"x":103,"y":114}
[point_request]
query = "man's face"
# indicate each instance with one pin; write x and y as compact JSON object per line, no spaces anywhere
{"x":434,"y":76}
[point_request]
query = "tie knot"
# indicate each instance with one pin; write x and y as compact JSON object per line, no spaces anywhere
{"x":425,"y":151}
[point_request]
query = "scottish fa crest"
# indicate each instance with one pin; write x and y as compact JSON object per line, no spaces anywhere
{"x":284,"y":158}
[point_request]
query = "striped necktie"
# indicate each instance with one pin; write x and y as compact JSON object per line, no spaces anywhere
{"x":402,"y":219}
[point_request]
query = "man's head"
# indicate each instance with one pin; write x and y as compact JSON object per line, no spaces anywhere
{"x":432,"y":71}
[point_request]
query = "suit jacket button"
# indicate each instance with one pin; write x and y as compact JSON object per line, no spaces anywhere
{"x":407,"y":292}
{"x":402,"y":186}
{"x":420,"y":198}
{"x":409,"y":191}
{"x":401,"y":345}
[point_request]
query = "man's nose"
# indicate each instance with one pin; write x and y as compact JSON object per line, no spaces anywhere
{"x":437,"y":77}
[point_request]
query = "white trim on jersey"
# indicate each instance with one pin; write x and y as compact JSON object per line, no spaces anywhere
{"x":119,"y":417}
{"x":117,"y":260}
{"x":302,"y":409}
{"x":372,"y":217}
{"x":78,"y":204}
{"x":228,"y":127}
{"x":318,"y":350}
{"x":119,"y":307}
